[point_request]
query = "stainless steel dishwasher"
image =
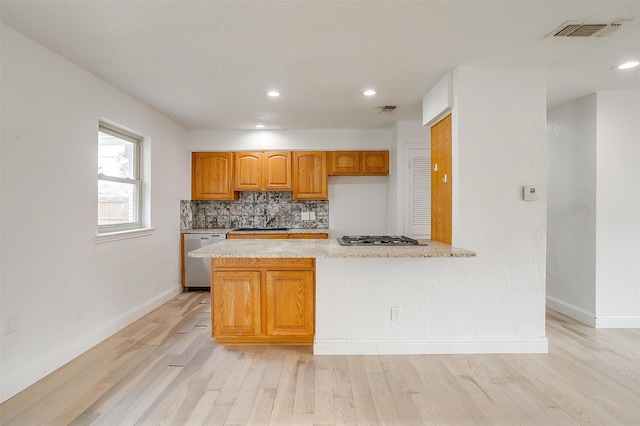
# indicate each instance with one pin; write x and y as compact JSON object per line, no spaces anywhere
{"x":197,"y":270}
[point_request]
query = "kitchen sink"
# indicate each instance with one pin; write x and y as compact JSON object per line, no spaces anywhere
{"x":261,"y":229}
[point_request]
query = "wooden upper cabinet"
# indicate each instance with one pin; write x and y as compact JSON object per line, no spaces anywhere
{"x":310,"y":175}
{"x":344,"y":162}
{"x":212,"y":176}
{"x":374,"y":162}
{"x":257,"y":171}
{"x":247,"y":171}
{"x":276,"y":170}
{"x":358,"y":163}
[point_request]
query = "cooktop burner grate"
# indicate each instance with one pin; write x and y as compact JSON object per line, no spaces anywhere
{"x":376,"y":240}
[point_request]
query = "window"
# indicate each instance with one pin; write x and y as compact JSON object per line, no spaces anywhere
{"x":119,"y":180}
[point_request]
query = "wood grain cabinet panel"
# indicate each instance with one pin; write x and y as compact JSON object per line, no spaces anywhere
{"x":375,"y":162}
{"x":441,"y":181}
{"x":263,"y":300}
{"x":343,"y":162}
{"x":236,"y":303}
{"x":358,"y":163}
{"x":289,"y":303}
{"x":310,"y":175}
{"x":266,"y":236}
{"x":257,"y":236}
{"x":309,"y":236}
{"x":258,"y":171}
{"x":247,"y":171}
{"x":276,"y":171}
{"x":212,"y":176}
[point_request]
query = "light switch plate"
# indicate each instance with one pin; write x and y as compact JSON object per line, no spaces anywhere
{"x":530,"y":193}
{"x":304,"y":216}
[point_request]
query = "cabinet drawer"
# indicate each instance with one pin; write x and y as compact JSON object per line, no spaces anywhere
{"x":257,"y":236}
{"x":245,"y":263}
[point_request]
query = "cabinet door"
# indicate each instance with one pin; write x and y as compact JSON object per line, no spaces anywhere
{"x":276,"y":171}
{"x":212,"y":176}
{"x":236,"y":303}
{"x":375,"y":162}
{"x":247,"y":171}
{"x":290,"y":304}
{"x":310,"y":175}
{"x":344,"y":162}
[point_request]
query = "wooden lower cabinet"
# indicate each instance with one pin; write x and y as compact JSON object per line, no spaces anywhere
{"x":263,"y":300}
{"x":237,"y":303}
{"x":264,"y":236}
{"x":289,"y":303}
{"x":309,"y":236}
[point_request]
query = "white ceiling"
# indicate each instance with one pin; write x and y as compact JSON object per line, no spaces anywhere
{"x":208,"y":64}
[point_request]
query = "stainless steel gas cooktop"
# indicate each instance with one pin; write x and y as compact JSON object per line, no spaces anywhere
{"x":376,"y":240}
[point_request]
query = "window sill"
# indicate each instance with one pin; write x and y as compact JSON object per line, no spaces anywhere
{"x":122,"y":235}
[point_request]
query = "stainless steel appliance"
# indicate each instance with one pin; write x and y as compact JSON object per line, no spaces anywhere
{"x":377,"y":240}
{"x":197,"y":270}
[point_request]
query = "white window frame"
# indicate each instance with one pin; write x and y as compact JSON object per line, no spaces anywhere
{"x":124,"y":229}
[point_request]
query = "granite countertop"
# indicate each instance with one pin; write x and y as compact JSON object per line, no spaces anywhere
{"x":235,"y":231}
{"x":323,"y":249}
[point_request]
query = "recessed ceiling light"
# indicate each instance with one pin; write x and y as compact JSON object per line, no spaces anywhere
{"x":369,"y":92}
{"x":627,"y":65}
{"x":273,"y":93}
{"x":260,"y":126}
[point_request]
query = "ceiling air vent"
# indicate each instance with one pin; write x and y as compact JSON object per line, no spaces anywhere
{"x":388,"y":109}
{"x":580,"y":29}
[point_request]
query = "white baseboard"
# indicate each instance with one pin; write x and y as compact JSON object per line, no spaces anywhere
{"x":430,"y":347}
{"x":586,"y":317}
{"x":617,"y":322}
{"x":40,"y":369}
{"x":589,"y":318}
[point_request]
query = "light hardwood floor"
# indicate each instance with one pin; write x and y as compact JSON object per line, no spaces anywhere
{"x":164,"y":369}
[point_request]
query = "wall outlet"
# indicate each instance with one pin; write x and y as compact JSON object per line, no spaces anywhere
{"x":304,"y":216}
{"x":312,"y":215}
{"x":395,"y":313}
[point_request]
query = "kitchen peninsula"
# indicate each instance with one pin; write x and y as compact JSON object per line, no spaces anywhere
{"x":368,"y":300}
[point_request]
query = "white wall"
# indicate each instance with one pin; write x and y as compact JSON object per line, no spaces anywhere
{"x":594,"y":225}
{"x":357,"y":205}
{"x":618,"y":210}
{"x":407,"y":134}
{"x":294,"y":140}
{"x":66,"y":293}
{"x":492,"y":303}
{"x":571,"y":229}
{"x":437,"y":103}
{"x":499,"y":144}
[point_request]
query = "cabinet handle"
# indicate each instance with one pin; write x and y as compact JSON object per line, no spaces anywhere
{"x":435,"y":167}
{"x":444,"y":179}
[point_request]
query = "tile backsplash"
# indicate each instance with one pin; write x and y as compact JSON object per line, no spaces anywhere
{"x":254,"y":210}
